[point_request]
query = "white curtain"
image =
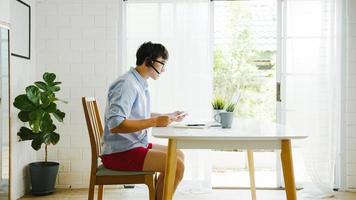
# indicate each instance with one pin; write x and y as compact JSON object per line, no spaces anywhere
{"x":183,"y":27}
{"x":310,"y":76}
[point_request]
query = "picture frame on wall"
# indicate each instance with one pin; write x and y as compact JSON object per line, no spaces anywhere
{"x":21,"y":30}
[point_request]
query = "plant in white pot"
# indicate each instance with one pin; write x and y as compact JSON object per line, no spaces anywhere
{"x":37,"y":108}
{"x":218,"y":105}
{"x":227,"y":117}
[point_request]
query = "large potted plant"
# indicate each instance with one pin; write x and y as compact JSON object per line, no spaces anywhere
{"x":37,"y":107}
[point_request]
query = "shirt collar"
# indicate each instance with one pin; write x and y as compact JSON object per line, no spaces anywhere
{"x":141,"y":80}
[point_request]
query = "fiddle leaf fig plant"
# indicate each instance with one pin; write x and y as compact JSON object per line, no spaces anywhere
{"x":37,"y":107}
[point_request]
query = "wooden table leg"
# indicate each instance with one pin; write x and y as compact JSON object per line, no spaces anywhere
{"x":251,"y":169}
{"x":170,"y":173}
{"x":288,"y":171}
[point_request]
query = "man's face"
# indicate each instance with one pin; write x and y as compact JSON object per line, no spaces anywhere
{"x":158,"y":68}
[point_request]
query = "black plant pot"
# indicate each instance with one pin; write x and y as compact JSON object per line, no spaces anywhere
{"x":43,"y":177}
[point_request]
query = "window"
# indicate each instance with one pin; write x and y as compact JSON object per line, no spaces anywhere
{"x":245,"y":45}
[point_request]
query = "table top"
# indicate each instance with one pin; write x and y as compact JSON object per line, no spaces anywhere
{"x":242,"y":129}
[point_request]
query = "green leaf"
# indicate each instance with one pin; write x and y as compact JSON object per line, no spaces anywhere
{"x":51,"y":138}
{"x":56,"y":83}
{"x":54,"y":127}
{"x":52,"y":97}
{"x":23,"y":103}
{"x":45,"y":99}
{"x":35,"y":119}
{"x":34,"y":115}
{"x":47,"y":124}
{"x":59,"y":115}
{"x":51,"y":108}
{"x":55,"y":88}
{"x":63,"y":101}
{"x":33,"y":94}
{"x":230,"y":107}
{"x":24,"y":116}
{"x":37,"y":142}
{"x":26,"y":134}
{"x":42,"y":85}
{"x":47,"y":138}
{"x":49,"y":78}
{"x":55,"y":138}
{"x":218,"y":103}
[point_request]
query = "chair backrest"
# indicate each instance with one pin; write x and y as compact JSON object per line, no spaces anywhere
{"x":95,"y":128}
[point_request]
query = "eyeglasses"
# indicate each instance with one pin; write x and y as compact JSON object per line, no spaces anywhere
{"x":162,"y":63}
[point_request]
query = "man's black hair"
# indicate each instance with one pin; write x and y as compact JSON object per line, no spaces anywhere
{"x":151,"y":51}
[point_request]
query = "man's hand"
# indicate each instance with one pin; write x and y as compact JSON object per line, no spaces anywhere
{"x":178,"y":116}
{"x":163,"y":121}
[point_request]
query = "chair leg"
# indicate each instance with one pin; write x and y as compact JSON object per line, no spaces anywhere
{"x":91,"y":188}
{"x":156,"y":178}
{"x":150,"y":182}
{"x":155,"y":181}
{"x":100,"y":192}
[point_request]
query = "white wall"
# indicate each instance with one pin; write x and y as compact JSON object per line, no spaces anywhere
{"x":77,"y":40}
{"x":5,"y":11}
{"x":22,"y":74}
{"x":351,"y":97}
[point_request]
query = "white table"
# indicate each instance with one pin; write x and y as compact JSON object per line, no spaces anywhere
{"x":245,"y":134}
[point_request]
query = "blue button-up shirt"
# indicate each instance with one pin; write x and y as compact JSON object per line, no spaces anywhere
{"x":128,"y":98}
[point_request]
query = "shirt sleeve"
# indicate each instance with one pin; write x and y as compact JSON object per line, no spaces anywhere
{"x":121,"y":100}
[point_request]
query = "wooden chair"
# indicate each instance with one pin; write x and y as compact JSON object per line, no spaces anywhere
{"x":99,"y":175}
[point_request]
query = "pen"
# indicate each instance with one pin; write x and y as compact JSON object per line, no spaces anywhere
{"x":195,"y":124}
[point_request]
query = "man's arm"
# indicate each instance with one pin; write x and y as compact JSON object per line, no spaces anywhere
{"x":131,"y":125}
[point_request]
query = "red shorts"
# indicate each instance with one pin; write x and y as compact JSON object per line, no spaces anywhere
{"x":131,"y":160}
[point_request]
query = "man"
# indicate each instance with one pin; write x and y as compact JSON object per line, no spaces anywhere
{"x":128,"y":118}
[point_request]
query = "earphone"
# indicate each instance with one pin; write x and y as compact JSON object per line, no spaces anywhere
{"x":150,"y":63}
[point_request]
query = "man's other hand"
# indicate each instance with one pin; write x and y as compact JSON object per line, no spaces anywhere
{"x":178,"y":116}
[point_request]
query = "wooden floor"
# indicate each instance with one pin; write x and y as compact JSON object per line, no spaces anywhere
{"x":141,"y":194}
